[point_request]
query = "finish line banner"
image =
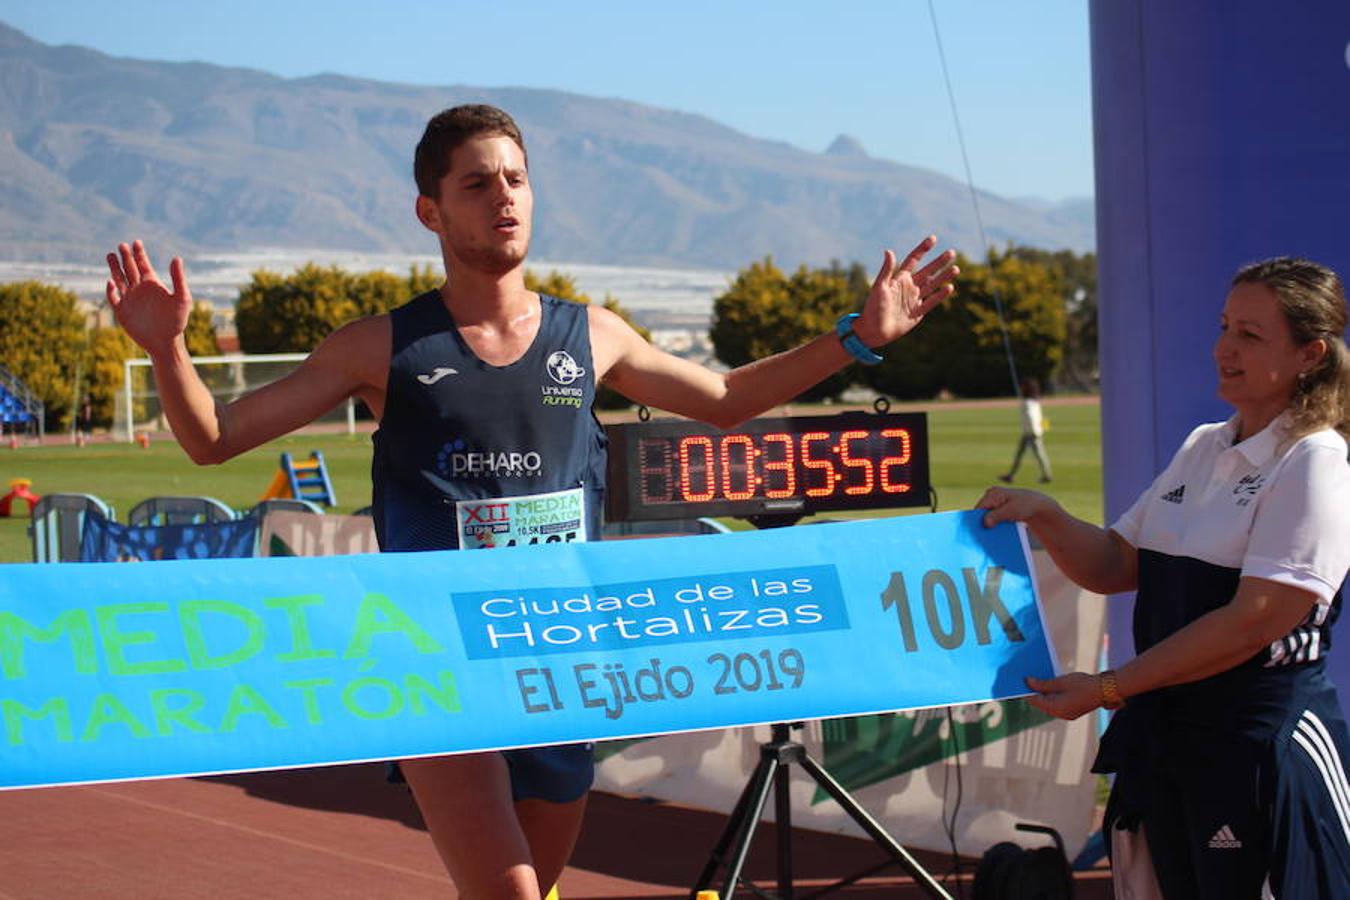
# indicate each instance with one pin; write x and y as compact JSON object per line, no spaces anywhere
{"x":111,"y":671}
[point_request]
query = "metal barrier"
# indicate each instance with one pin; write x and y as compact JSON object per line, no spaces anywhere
{"x":58,"y":522}
{"x":286,"y":504}
{"x":180,"y":511}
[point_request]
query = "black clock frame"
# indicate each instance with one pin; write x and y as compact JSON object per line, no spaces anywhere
{"x":627,"y":468}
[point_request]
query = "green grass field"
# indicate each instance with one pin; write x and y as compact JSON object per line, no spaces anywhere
{"x":970,"y":445}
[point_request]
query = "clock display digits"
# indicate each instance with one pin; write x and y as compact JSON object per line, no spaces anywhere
{"x":742,"y":471}
{"x":678,"y":469}
{"x":786,"y":465}
{"x":855,"y":464}
{"x":697,"y":466}
{"x":900,"y":435}
{"x":828,"y":476}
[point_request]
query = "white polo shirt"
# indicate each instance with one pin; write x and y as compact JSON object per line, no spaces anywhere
{"x":1033,"y":420}
{"x":1279,"y":513}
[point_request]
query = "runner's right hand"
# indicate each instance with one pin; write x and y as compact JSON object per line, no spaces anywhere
{"x":152,"y":315}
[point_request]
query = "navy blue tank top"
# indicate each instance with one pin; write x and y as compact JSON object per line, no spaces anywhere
{"x":462,"y":442}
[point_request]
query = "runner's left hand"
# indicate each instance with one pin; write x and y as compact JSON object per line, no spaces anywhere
{"x":903,"y":293}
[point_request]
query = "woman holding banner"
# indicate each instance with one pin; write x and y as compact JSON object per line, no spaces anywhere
{"x":1228,"y":746}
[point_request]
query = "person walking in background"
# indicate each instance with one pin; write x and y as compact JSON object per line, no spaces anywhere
{"x":1033,"y":430}
{"x":84,"y":420}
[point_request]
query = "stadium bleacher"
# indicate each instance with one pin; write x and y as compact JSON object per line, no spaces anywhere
{"x":20,"y":409}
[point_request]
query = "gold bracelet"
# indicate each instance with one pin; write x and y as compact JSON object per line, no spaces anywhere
{"x":1110,"y":690}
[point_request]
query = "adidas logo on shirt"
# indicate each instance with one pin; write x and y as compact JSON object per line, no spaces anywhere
{"x":1224,"y":839}
{"x":1174,"y":496}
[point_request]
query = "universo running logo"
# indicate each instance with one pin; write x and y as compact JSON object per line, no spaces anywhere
{"x":562,"y":368}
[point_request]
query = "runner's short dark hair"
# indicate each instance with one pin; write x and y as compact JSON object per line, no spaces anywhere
{"x":452,"y":127}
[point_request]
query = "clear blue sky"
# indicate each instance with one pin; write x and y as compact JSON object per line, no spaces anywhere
{"x":787,"y":70}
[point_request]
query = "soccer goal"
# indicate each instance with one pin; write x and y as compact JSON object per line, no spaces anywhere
{"x":228,"y":377}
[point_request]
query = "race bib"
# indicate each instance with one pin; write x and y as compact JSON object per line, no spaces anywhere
{"x":555,"y":518}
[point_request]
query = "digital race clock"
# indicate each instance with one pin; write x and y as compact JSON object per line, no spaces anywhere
{"x":676,"y":469}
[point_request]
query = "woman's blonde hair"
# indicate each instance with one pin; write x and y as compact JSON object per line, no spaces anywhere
{"x":1312,"y":298}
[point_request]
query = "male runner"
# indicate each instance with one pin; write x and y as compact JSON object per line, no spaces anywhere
{"x":483,"y":389}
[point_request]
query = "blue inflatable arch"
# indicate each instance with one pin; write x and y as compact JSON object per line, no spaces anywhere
{"x":1222,"y":133}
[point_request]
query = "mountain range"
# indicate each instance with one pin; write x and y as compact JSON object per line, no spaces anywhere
{"x":194,"y":157}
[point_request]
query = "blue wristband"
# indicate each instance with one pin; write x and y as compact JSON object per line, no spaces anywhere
{"x":852,"y":343}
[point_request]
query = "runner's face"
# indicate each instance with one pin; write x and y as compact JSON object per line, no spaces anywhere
{"x":484,"y":211}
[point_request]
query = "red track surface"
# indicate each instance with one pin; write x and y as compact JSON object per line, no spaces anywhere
{"x":344,"y":833}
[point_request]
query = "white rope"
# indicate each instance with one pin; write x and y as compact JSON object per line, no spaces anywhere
{"x":974,"y":200}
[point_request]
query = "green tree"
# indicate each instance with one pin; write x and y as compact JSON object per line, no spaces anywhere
{"x":422,"y":279}
{"x":109,"y":349}
{"x":564,"y":287}
{"x":765,"y":312}
{"x":960,"y":348}
{"x":200,"y":337}
{"x":1078,"y":278}
{"x":201,"y":331}
{"x":1033,"y":313}
{"x":294,"y":313}
{"x":916,"y":367}
{"x":745,"y":313}
{"x":42,"y":333}
{"x":858,"y":278}
{"x":556,"y":284}
{"x":375,"y":293}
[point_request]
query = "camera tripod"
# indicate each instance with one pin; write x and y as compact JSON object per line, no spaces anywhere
{"x":772,"y":771}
